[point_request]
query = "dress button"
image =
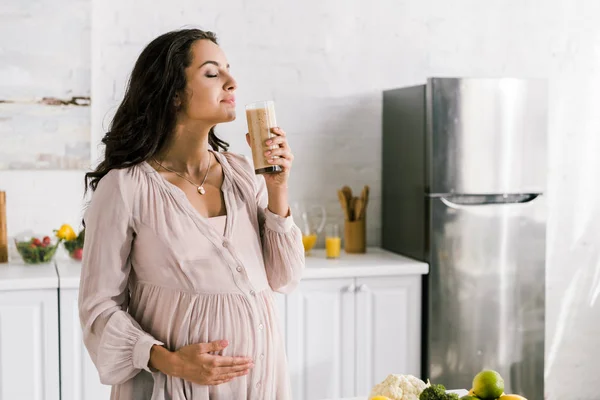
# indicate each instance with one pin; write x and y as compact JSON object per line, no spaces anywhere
{"x":239,"y":269}
{"x":261,"y":326}
{"x":261,"y":357}
{"x":257,"y":384}
{"x":253,"y":293}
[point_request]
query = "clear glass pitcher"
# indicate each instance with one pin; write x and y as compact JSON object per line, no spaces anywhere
{"x":310,"y":220}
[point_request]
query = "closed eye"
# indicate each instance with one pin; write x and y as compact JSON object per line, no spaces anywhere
{"x":211,"y":76}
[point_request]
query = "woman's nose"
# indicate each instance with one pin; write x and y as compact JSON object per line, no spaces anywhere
{"x":231,"y":84}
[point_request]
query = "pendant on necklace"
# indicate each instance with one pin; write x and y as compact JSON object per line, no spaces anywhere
{"x":201,"y":190}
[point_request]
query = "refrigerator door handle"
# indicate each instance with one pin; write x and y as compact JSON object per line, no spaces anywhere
{"x":460,"y":201}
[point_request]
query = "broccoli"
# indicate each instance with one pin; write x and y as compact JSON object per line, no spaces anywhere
{"x":437,"y":392}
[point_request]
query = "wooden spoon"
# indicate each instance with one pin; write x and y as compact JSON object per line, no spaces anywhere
{"x":358,"y":212}
{"x":348,"y":193}
{"x":344,"y":203}
{"x":353,"y":208}
{"x":365,"y":199}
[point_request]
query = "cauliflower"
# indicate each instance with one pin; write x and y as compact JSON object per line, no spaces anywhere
{"x":399,"y":387}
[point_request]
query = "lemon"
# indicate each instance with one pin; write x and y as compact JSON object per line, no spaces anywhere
{"x":488,"y":384}
{"x":468,"y":397}
{"x":512,"y":397}
{"x":380,"y":398}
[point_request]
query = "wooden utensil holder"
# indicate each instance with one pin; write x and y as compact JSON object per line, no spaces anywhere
{"x":355,"y":236}
{"x":3,"y":232}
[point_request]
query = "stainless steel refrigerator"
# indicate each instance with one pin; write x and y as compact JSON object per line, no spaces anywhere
{"x":464,"y":174}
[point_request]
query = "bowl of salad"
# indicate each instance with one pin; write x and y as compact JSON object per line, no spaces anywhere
{"x":37,"y":249}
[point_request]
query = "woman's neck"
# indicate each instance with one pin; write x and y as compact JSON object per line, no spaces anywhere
{"x":188,"y":150}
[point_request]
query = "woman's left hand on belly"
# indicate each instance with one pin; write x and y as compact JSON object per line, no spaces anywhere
{"x":194,"y":363}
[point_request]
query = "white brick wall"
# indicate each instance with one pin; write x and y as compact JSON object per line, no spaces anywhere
{"x":44,"y":52}
{"x":325,"y":63}
{"x":44,"y":48}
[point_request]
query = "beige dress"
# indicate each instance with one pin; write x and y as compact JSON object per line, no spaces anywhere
{"x":155,"y":271}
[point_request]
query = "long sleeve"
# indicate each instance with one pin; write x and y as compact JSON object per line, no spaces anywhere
{"x":283,"y":251}
{"x":118,"y":346}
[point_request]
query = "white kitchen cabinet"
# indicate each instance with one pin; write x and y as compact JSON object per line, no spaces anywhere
{"x":345,"y":335}
{"x":29,"y":359}
{"x":79,"y":377}
{"x":353,"y":321}
{"x":320,"y":338}
{"x":388,"y":329}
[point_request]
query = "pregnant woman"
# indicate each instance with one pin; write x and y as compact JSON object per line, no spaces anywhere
{"x":185,"y":245}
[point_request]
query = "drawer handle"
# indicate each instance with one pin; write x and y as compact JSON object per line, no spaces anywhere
{"x":351,"y":288}
{"x":362,"y":288}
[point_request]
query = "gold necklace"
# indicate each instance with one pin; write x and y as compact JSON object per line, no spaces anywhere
{"x":200,"y":187}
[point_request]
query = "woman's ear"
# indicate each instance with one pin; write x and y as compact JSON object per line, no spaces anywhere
{"x":177,"y":101}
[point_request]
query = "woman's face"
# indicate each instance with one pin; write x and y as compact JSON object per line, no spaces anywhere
{"x":210,"y":87}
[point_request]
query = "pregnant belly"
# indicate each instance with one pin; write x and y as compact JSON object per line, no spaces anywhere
{"x":181,"y":318}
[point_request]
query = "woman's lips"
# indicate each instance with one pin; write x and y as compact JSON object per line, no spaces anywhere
{"x":230,"y":100}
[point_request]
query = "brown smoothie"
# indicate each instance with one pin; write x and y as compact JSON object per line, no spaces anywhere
{"x":261,"y":118}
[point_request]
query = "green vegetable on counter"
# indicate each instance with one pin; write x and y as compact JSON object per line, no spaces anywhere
{"x":75,"y":246}
{"x":76,"y":243}
{"x":437,"y":392}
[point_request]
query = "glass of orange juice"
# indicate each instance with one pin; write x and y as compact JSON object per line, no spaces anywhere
{"x":309,"y":241}
{"x":305,"y":217}
{"x":333,"y":241}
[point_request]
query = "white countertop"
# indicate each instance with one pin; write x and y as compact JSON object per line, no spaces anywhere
{"x":69,"y":271}
{"x":16,"y":275}
{"x":375,"y":262}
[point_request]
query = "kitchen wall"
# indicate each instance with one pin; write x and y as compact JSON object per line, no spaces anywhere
{"x":326,"y":63}
{"x":44,"y":54}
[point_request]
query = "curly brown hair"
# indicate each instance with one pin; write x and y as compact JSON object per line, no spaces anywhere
{"x":145,"y":119}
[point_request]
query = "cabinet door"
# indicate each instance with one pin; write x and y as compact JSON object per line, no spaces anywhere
{"x":388,"y":329}
{"x":80,"y":380}
{"x":320,"y":332}
{"x":29,"y":360}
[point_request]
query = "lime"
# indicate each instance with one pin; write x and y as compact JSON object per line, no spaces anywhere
{"x":488,"y":385}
